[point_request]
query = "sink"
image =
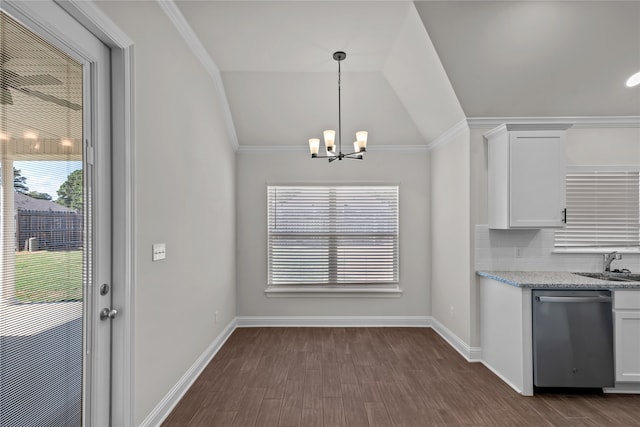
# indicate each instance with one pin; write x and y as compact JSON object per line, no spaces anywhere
{"x":613,"y":277}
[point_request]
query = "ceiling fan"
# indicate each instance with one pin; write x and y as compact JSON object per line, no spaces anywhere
{"x":12,"y":80}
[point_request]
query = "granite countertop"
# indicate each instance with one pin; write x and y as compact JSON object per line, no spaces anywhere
{"x":554,"y":280}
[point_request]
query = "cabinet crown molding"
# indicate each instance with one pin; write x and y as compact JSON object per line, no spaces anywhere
{"x":509,"y":127}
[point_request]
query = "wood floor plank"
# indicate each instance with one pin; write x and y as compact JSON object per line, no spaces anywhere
{"x":331,"y":380}
{"x":312,"y":417}
{"x":291,"y":410}
{"x":269,"y":413}
{"x":377,"y":414}
{"x":312,"y":394}
{"x":370,"y":377}
{"x":333,"y":412}
{"x":204,"y":418}
{"x":355,"y":412}
{"x":249,"y":407}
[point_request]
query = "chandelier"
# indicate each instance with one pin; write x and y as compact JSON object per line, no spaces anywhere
{"x":360,"y":144}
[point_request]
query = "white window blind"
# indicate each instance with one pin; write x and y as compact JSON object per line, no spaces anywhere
{"x":603,"y":210}
{"x":43,"y":249}
{"x":329,"y":235}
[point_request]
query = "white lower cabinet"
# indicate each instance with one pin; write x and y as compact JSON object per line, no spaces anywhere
{"x":627,"y":335}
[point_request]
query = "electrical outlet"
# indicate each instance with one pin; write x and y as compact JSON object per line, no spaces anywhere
{"x":159,"y":251}
{"x":452,"y":312}
{"x":518,"y":252}
{"x":215,"y":316}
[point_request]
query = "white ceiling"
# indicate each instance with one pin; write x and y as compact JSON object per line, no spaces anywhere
{"x":414,"y":70}
{"x":541,"y":58}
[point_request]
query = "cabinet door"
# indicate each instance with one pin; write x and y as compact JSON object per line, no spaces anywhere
{"x":537,"y":179}
{"x":627,"y":336}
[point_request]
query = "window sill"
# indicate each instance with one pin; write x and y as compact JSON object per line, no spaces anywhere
{"x":332,"y":291}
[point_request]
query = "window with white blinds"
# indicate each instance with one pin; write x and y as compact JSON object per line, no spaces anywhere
{"x":332,"y":235}
{"x":603,"y":210}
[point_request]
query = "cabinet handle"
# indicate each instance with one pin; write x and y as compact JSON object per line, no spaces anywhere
{"x":564,"y":215}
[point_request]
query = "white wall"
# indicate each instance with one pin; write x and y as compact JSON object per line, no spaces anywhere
{"x":255,"y":170}
{"x":451,"y":238}
{"x":531,"y":250}
{"x":185,"y":196}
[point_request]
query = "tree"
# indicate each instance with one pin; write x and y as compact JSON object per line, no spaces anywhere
{"x":70,"y":192}
{"x":20,"y":182}
{"x":39,"y":195}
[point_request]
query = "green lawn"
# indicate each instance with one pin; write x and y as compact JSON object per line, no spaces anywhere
{"x":48,"y":276}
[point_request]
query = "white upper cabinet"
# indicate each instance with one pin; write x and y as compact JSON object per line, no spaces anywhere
{"x":527,"y":168}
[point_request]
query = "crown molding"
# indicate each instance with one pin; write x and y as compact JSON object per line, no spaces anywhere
{"x":293,"y":148}
{"x":180,"y":23}
{"x":448,"y":135}
{"x":271,"y":148}
{"x":576,"y":122}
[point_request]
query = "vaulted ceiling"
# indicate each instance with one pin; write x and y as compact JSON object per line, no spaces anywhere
{"x":538,"y":58}
{"x":415,"y":69}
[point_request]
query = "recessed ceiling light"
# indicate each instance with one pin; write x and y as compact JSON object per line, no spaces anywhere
{"x":634,"y":80}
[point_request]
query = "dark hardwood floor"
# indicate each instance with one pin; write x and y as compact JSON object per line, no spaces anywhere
{"x":371,"y":377}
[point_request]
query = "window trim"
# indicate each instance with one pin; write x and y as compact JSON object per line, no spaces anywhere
{"x":358,"y":290}
{"x":594,"y":249}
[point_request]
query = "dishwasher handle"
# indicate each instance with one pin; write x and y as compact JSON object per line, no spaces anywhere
{"x":573,"y":299}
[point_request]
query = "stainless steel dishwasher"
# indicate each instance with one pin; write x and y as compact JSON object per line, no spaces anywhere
{"x":572,"y":338}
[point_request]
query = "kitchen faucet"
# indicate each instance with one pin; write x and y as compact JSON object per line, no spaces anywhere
{"x":608,"y":259}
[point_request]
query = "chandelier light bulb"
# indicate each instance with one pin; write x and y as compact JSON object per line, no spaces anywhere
{"x":329,"y":139}
{"x":314,"y":146}
{"x":361,"y":138}
{"x":356,"y":147}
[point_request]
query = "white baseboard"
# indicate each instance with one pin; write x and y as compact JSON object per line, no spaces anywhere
{"x":472,"y":354}
{"x":623,"y":388}
{"x":171,"y":399}
{"x":333,"y":321}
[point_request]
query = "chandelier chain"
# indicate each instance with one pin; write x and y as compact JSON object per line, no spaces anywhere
{"x":339,"y":112}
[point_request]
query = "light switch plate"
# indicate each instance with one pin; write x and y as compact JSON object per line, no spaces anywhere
{"x":159,"y":251}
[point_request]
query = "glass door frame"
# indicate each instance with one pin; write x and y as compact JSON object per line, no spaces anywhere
{"x":38,"y":15}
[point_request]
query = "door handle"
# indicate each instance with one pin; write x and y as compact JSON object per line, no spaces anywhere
{"x":108,"y":313}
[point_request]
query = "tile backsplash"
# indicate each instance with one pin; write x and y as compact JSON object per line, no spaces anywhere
{"x":531,"y":250}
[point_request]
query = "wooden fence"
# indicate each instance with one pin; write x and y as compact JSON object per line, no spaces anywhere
{"x":51,"y":230}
